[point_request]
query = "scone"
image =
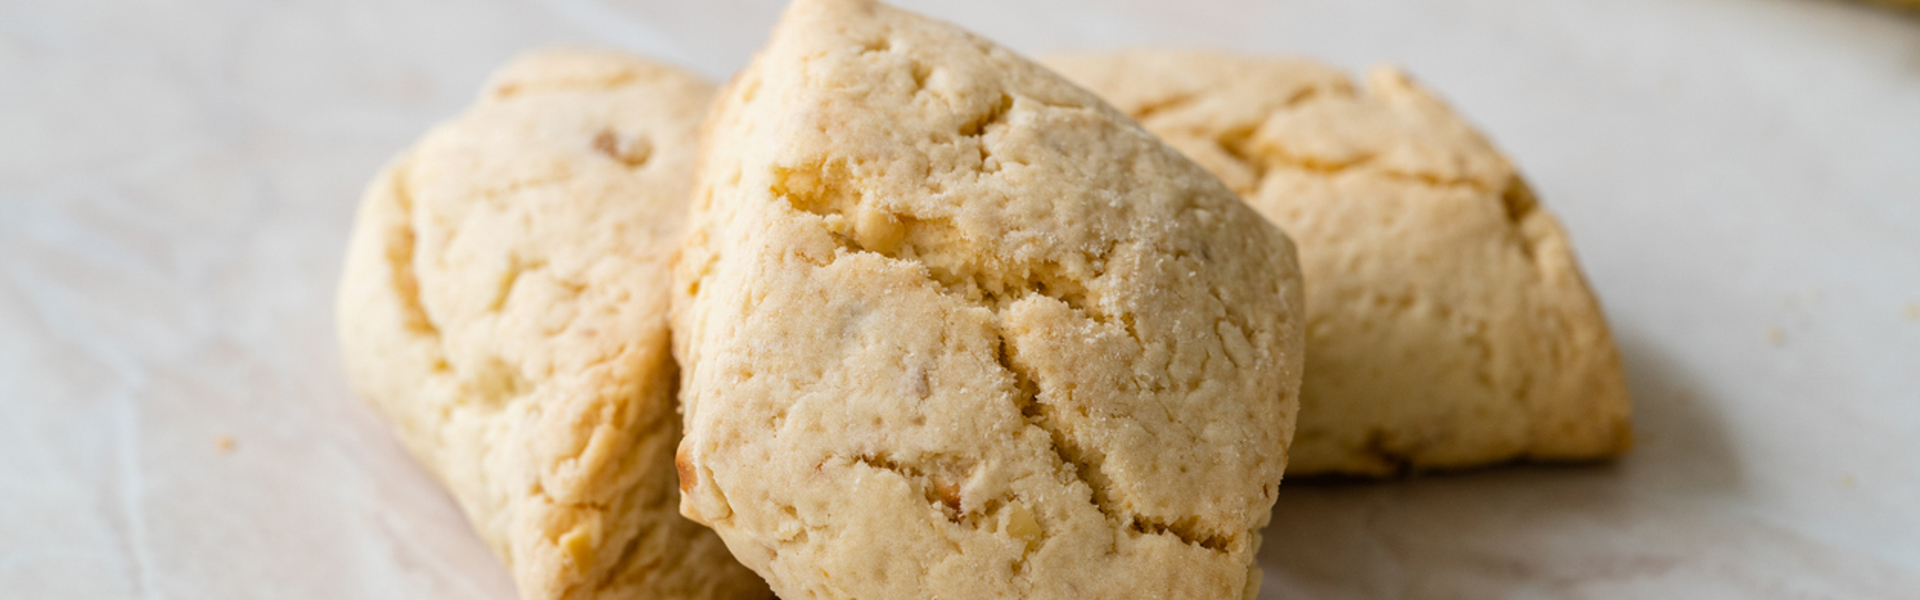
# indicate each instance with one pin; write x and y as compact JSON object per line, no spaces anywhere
{"x":505,"y":306}
{"x":1448,"y":325}
{"x":950,"y":327}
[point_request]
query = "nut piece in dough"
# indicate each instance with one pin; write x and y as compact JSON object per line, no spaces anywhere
{"x":504,"y":306}
{"x":951,"y":327}
{"x":1448,"y":324}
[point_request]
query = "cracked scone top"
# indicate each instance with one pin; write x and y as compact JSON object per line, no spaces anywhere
{"x":950,"y":327}
{"x":1448,"y":324}
{"x":504,"y":306}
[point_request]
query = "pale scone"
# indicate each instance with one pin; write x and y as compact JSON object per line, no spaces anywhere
{"x":950,"y":327}
{"x":1448,"y":325}
{"x":505,"y":303}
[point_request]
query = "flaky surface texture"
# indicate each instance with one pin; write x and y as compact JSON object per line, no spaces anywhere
{"x":953,"y":328}
{"x":504,"y":306}
{"x":1448,"y":324}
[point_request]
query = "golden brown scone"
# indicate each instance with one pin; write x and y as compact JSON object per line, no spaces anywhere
{"x":504,"y":305}
{"x":953,"y":328}
{"x":1448,"y":325}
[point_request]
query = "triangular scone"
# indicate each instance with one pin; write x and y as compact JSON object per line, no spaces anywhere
{"x":1448,"y":324}
{"x":505,"y":303}
{"x":950,"y":327}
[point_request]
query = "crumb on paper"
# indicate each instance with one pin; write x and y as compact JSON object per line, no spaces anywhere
{"x":1776,"y":336}
{"x":1810,"y":298}
{"x":1913,"y":311}
{"x":225,"y":443}
{"x":1846,"y":480}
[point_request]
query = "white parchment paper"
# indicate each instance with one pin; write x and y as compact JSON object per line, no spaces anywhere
{"x":1741,"y":179}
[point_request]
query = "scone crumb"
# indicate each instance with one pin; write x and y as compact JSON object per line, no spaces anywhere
{"x":1846,"y":480}
{"x":1021,"y":524}
{"x":1776,"y":337}
{"x":579,"y":547}
{"x":631,"y":151}
{"x":224,"y":444}
{"x":1913,"y":311}
{"x":684,"y":467}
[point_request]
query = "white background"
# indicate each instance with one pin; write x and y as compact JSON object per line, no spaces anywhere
{"x":1741,"y":179}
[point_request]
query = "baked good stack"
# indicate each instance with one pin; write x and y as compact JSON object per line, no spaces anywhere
{"x":945,"y":324}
